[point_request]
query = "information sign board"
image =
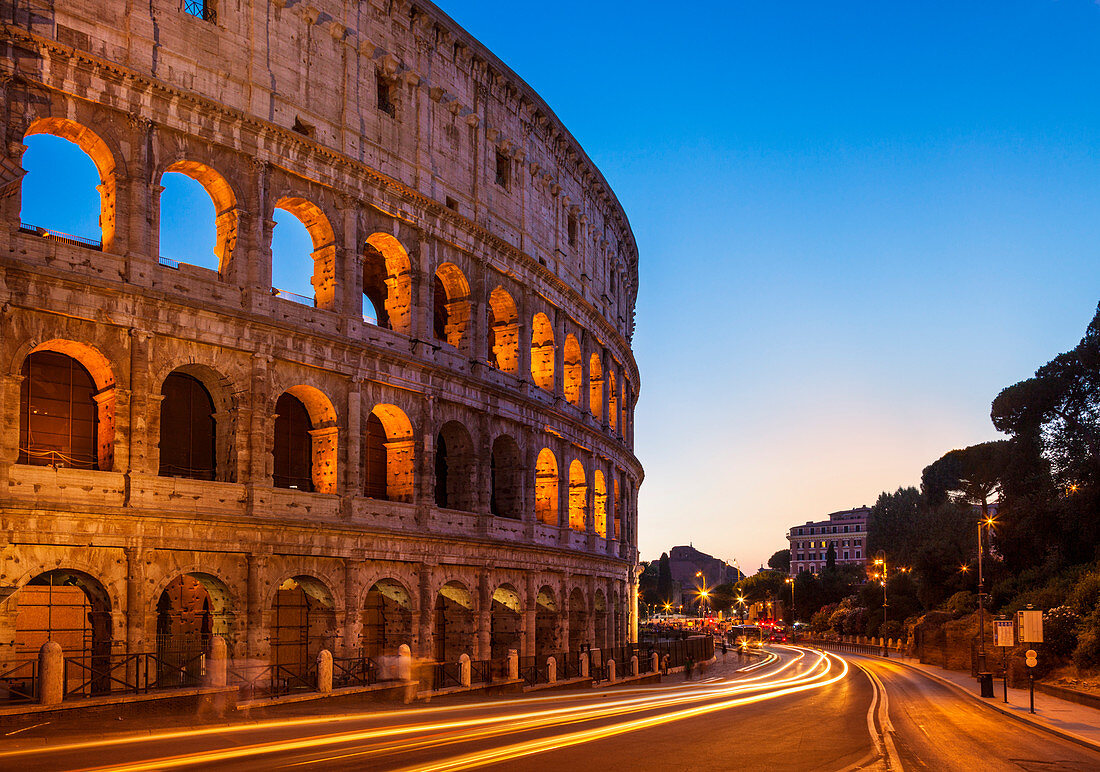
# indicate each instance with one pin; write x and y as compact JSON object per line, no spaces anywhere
{"x":1004,"y":632}
{"x":1030,"y":626}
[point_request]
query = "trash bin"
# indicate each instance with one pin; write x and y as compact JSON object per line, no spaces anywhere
{"x":986,"y":681}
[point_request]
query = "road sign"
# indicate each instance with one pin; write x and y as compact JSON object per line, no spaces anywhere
{"x":1004,"y":632}
{"x":1031,"y":658}
{"x":1030,"y":625}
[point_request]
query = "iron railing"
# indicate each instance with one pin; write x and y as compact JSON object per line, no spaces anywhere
{"x":130,"y":673}
{"x":354,"y":671}
{"x":446,"y":674}
{"x":481,"y":672}
{"x":271,"y":680}
{"x":293,"y":297}
{"x":59,"y":236}
{"x":19,"y":681}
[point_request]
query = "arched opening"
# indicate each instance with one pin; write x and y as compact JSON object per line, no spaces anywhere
{"x":188,"y":429}
{"x":454,"y":632}
{"x":387,"y":455}
{"x":451,"y":316}
{"x":503,"y":331}
{"x":59,"y":413}
{"x":595,"y":386}
{"x":542,"y":352}
{"x":578,"y":620}
{"x":455,"y":468}
{"x":599,"y":621}
{"x":198,"y":216}
{"x":84,"y":207}
{"x":387,"y":283}
{"x":599,"y":496}
{"x":505,"y":624}
{"x":546,"y":623}
{"x":572,"y":370}
{"x":578,"y":497}
{"x":191,"y":610}
{"x":305,"y":441}
{"x":386,"y":618}
{"x":612,"y":401}
{"x":506,"y":483}
{"x":303,"y":622}
{"x":303,"y":254}
{"x":618,"y":509}
{"x":546,"y":487}
{"x":73,"y":609}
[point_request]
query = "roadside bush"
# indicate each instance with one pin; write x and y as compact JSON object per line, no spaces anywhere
{"x":1087,"y":654}
{"x":960,"y":604}
{"x":1085,"y":595}
{"x":1060,"y":631}
{"x":892,"y":629}
{"x":819,"y":622}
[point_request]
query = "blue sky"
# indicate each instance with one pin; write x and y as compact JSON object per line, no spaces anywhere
{"x":857,"y":223}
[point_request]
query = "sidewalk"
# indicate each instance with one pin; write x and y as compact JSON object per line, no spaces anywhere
{"x":1069,"y":720}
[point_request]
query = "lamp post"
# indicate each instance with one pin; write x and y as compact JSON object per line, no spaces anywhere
{"x":985,"y":679}
{"x":703,"y":594}
{"x":881,"y":561}
{"x":741,"y":607}
{"x":790,"y":580}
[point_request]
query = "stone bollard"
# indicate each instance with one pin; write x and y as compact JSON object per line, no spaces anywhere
{"x":404,"y":663}
{"x":551,"y":670}
{"x":655,"y":662}
{"x":324,"y":671}
{"x":513,"y":665}
{"x":584,"y":665}
{"x":634,"y":665}
{"x":217,"y":662}
{"x":464,"y":670}
{"x":51,"y":674}
{"x":611,"y":670}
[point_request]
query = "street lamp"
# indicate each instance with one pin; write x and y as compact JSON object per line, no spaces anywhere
{"x":880,"y":560}
{"x":790,"y":580}
{"x":741,"y":609}
{"x":987,"y":689}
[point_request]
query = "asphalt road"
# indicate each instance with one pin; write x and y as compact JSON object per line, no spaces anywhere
{"x":800,"y":710}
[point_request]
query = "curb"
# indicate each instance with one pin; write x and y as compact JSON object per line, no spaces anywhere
{"x":1075,"y":738}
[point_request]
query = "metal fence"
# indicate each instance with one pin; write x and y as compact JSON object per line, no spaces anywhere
{"x":64,"y":238}
{"x":850,"y":647}
{"x":357,"y":670}
{"x":130,"y":673}
{"x":262,"y":680}
{"x":19,"y":681}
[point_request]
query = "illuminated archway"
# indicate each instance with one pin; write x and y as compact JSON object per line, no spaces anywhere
{"x":546,"y":622}
{"x":387,"y":282}
{"x":303,"y":621}
{"x":387,"y":458}
{"x":542,"y":352}
{"x":546,"y":487}
{"x":305,"y":443}
{"x":451,"y":300}
{"x":503,"y":331}
{"x":612,"y":401}
{"x":572,"y":369}
{"x":454,"y":632}
{"x":320,"y":263}
{"x":578,"y":620}
{"x":595,"y":386}
{"x":225,"y":216}
{"x":505,"y":624}
{"x":599,"y":494}
{"x":387,"y":618}
{"x":578,"y":496}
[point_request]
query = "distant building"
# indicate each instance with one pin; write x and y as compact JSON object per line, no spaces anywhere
{"x":686,"y":562}
{"x":845,"y":531}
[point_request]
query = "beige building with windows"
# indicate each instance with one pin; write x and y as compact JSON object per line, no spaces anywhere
{"x":435,"y":448}
{"x":845,"y":531}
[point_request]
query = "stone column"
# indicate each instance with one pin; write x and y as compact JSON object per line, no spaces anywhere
{"x":426,"y":629}
{"x":135,"y":599}
{"x":9,"y":418}
{"x":529,"y":612}
{"x":353,"y":483}
{"x":140,"y":438}
{"x":259,"y":439}
{"x":352,"y":614}
{"x":255,"y":635}
{"x":484,"y":616}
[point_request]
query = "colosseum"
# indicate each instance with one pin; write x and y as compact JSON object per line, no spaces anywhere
{"x":433,"y":449}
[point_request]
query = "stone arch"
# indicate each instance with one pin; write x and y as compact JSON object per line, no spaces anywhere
{"x":578,"y":496}
{"x":454,"y":631}
{"x":546,"y":487}
{"x":388,"y":457}
{"x":192,"y":608}
{"x":223,"y":416}
{"x":595,"y":386}
{"x":451,"y":303}
{"x":578,"y":620}
{"x":387,"y":618}
{"x":599,"y":496}
{"x":222,"y":195}
{"x":91,"y":405}
{"x":546,"y":622}
{"x":302,"y":623}
{"x":291,"y":449}
{"x":387,"y":282}
{"x":93,"y":145}
{"x":74,"y":609}
{"x":612,"y":401}
{"x":505,"y":622}
{"x":542,"y":352}
{"x":503,"y":331}
{"x":572,"y":369}
{"x":506,"y":478}
{"x":324,"y":247}
{"x":618,"y":505}
{"x":455,"y":468}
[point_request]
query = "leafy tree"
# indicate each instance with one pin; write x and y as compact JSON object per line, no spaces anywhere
{"x":647,"y":583}
{"x":830,"y":557}
{"x":893,"y":524}
{"x":664,"y":580}
{"x":780,"y":561}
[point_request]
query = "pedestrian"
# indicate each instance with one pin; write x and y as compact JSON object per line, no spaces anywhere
{"x":723,"y":648}
{"x":689,"y":665}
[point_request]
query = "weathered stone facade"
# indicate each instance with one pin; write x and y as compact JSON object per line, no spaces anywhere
{"x":427,"y":173}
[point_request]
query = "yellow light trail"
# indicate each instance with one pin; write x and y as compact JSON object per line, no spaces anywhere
{"x":477,"y":728}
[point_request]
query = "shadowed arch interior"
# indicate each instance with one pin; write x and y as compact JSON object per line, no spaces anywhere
{"x":386,"y":618}
{"x":506,"y":478}
{"x":455,"y":468}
